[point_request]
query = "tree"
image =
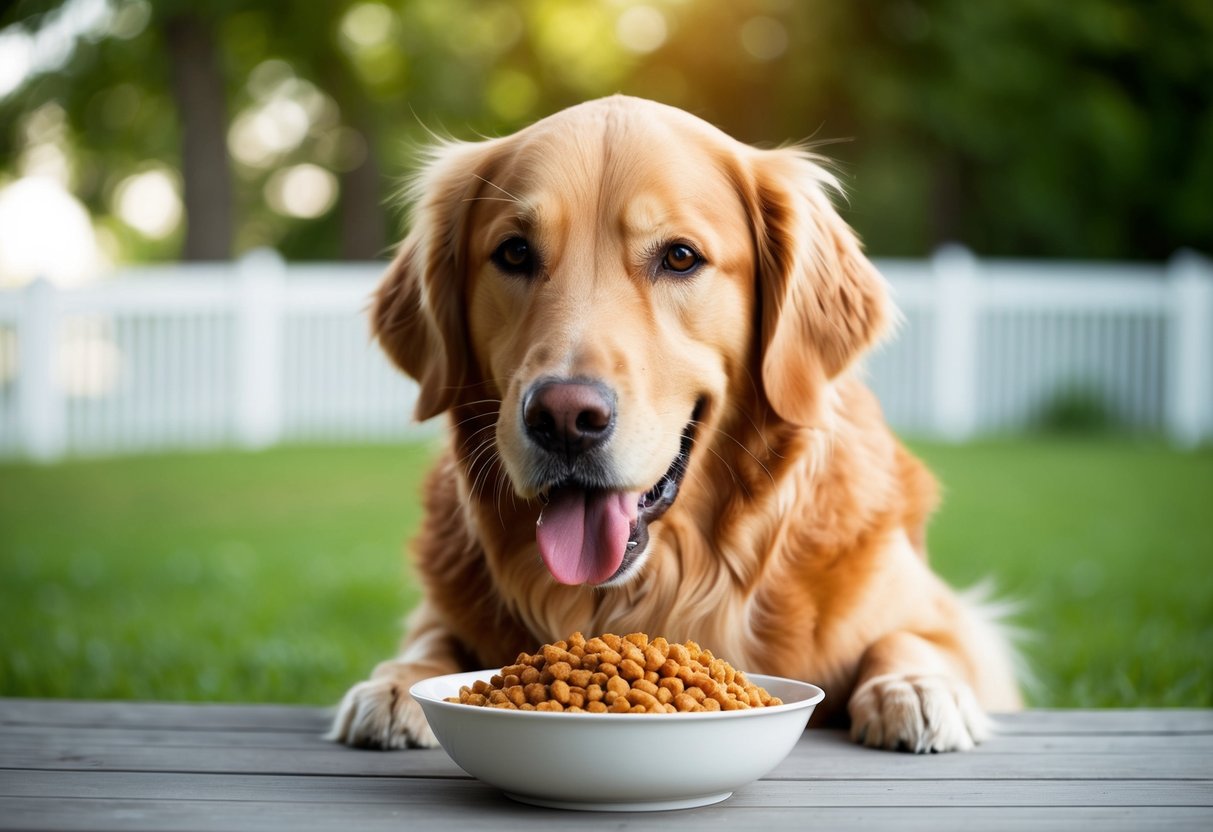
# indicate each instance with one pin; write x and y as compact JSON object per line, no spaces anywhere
{"x":1028,"y":128}
{"x":198,"y":89}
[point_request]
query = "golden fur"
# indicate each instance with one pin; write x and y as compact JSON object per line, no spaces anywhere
{"x":796,"y":546}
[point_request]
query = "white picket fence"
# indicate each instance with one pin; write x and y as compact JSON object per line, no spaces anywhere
{"x":261,"y":351}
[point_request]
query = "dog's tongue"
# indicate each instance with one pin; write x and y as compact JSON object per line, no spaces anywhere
{"x":583,"y":534}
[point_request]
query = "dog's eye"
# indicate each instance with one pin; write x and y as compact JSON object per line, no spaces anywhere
{"x":514,"y":256}
{"x":680,"y":259}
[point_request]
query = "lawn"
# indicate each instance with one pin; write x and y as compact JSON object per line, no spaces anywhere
{"x":278,"y":576}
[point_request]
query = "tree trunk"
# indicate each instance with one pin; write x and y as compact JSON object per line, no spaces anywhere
{"x":947,"y":202}
{"x":363,"y":231}
{"x":202,"y":113}
{"x":362,"y":226}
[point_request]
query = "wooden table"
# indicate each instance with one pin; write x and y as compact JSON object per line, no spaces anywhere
{"x":100,"y":765}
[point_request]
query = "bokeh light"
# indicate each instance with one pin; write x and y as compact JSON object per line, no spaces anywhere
{"x":267,"y":77}
{"x":46,"y":160}
{"x":367,"y":25}
{"x":24,"y":54}
{"x":130,"y":19}
{"x":44,"y":232}
{"x":286,"y":109}
{"x":43,"y":139}
{"x":260,"y":135}
{"x":367,"y":33}
{"x":16,"y":58}
{"x":641,"y":29}
{"x":150,"y":203}
{"x":305,"y":191}
{"x":512,"y":94}
{"x":764,"y":38}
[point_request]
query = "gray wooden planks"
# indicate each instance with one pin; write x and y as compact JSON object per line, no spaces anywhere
{"x":838,"y":793}
{"x":178,"y":766}
{"x":815,"y":741}
{"x":1144,"y":721}
{"x":819,"y":753}
{"x":192,"y":716}
{"x":492,"y":813}
{"x":208,"y":716}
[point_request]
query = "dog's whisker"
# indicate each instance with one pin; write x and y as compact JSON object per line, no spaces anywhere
{"x":475,"y":402}
{"x":760,"y":431}
{"x":503,"y":483}
{"x":752,"y":455}
{"x":472,"y":461}
{"x":492,"y":184}
{"x":473,"y":458}
{"x":723,"y":462}
{"x":482,"y":474}
{"x":492,"y":423}
{"x":492,"y":467}
{"x":488,"y":419}
{"x":472,"y":437}
{"x":497,"y":499}
{"x":477,"y":482}
{"x":699,"y":442}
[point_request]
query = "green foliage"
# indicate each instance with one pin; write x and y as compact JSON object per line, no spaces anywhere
{"x":278,"y":576}
{"x":1076,"y":409}
{"x":1029,"y":128}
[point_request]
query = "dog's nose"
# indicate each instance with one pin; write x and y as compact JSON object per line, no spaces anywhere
{"x":569,"y":417}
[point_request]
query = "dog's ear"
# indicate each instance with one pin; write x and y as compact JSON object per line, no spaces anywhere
{"x":418,"y":313}
{"x":822,"y":302}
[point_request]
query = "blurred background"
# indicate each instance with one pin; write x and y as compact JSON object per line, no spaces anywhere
{"x":208,"y":472}
{"x":203,"y":130}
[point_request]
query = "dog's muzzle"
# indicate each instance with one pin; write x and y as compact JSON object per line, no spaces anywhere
{"x":588,"y":531}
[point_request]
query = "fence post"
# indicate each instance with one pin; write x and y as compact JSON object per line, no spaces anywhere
{"x":260,"y":278}
{"x":42,"y":409}
{"x":1189,"y":377}
{"x":956,"y":310}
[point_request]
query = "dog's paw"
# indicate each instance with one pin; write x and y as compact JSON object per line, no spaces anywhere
{"x":917,"y":713}
{"x":379,"y":713}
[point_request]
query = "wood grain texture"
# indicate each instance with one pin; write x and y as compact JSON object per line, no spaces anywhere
{"x":100,"y":765}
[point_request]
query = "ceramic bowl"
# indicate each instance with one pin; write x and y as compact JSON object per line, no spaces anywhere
{"x":617,"y":762}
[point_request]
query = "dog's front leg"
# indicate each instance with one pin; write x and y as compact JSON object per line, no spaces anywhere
{"x":911,"y":694}
{"x":379,"y":713}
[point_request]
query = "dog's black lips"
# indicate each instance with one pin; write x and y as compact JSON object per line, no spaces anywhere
{"x":658,"y":499}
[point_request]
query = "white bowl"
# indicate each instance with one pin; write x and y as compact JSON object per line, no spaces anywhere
{"x":617,"y":762}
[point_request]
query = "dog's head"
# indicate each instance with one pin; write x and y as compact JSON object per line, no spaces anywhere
{"x":616,"y":278}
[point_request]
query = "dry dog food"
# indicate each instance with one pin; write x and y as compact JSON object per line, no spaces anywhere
{"x":619,"y":675}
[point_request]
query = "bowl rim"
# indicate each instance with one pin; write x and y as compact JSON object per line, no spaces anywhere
{"x":813,"y":696}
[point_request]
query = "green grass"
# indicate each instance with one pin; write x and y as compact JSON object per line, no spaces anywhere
{"x":278,"y":576}
{"x":275,"y":576}
{"x":1108,"y":547}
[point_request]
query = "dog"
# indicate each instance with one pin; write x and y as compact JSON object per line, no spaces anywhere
{"x":645,"y":335}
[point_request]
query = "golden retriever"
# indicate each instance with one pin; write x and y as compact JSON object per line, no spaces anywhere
{"x":644,"y":335}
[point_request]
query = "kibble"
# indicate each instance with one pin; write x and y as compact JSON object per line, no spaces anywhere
{"x":613,"y":674}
